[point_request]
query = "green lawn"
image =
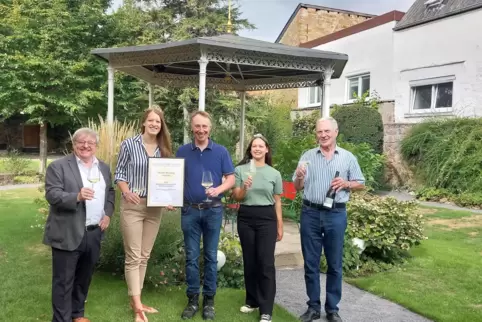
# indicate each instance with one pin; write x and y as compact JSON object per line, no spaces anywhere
{"x":25,"y":278}
{"x":443,"y":280}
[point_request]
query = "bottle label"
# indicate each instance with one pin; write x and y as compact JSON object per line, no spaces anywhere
{"x":328,"y":202}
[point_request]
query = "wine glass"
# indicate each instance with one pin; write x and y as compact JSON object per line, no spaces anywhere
{"x":207,"y":182}
{"x":93,"y":176}
{"x":304,"y":164}
{"x":251,"y":171}
{"x":138,"y":186}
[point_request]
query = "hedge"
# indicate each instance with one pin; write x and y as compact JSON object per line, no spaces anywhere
{"x":360,"y":124}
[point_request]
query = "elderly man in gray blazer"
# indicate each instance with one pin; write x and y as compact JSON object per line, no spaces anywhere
{"x":79,"y":190}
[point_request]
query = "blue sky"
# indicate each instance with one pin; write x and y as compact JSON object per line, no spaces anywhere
{"x":270,"y":16}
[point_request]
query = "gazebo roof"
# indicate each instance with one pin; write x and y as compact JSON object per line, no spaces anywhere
{"x":235,"y":63}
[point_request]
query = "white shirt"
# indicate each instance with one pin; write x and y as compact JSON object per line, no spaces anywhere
{"x":94,"y":207}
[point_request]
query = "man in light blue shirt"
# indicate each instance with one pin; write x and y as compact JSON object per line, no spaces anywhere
{"x":323,"y":227}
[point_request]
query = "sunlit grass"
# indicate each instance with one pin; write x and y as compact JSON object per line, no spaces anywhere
{"x":442,"y":281}
{"x":25,"y":279}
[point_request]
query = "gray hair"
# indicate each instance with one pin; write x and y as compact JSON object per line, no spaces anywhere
{"x":85,"y":131}
{"x":333,"y":122}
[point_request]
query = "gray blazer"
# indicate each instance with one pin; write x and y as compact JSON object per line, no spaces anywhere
{"x":65,"y":226}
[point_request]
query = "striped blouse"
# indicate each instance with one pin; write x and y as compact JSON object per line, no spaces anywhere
{"x":321,"y":171}
{"x":132,"y":164}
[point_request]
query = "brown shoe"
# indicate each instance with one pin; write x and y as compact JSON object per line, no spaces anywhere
{"x":80,"y":320}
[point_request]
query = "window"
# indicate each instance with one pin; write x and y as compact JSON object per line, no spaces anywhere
{"x":357,"y":86}
{"x":314,"y":96}
{"x":432,"y":98}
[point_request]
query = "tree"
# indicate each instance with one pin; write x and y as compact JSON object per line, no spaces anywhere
{"x":47,"y":72}
{"x":183,"y":19}
{"x":141,"y":22}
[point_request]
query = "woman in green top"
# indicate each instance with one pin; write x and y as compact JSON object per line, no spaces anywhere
{"x":260,"y":225}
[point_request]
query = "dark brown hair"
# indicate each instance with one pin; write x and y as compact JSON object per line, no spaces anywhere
{"x":248,"y":156}
{"x":163,"y":137}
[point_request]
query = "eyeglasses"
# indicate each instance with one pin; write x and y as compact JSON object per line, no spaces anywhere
{"x":89,"y":143}
{"x":259,"y":136}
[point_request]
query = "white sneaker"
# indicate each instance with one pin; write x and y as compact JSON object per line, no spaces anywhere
{"x":265,"y":318}
{"x":247,"y":309}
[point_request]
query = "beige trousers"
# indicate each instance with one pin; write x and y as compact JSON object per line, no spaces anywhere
{"x":139,"y":226}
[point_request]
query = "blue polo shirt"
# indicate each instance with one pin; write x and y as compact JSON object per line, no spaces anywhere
{"x":214,"y":158}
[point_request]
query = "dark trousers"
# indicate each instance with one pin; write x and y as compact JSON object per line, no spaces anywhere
{"x":257,"y":229}
{"x":206,"y":223}
{"x":71,"y":275}
{"x":323,"y":229}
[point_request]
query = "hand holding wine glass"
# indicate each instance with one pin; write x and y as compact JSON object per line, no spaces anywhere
{"x":93,"y":176}
{"x":207,"y":182}
{"x":250,"y":173}
{"x":134,"y":195}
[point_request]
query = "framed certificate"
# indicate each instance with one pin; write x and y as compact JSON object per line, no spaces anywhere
{"x":165,"y":182}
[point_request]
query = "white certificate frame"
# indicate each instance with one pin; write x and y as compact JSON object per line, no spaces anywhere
{"x":162,"y":193}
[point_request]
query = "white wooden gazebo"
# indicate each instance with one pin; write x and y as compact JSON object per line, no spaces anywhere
{"x":225,"y":62}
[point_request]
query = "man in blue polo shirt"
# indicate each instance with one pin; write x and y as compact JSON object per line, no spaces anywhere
{"x":199,"y":217}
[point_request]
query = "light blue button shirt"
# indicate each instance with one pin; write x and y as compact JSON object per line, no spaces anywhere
{"x":320,"y":172}
{"x":94,"y":207}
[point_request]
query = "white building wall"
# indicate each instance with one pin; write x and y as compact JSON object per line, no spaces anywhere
{"x":369,"y":51}
{"x":450,"y":47}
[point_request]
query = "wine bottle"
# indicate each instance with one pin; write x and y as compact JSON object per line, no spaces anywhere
{"x":330,"y":195}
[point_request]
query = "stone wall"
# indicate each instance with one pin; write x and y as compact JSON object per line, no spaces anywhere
{"x":309,"y":24}
{"x":312,"y":23}
{"x":397,"y":172}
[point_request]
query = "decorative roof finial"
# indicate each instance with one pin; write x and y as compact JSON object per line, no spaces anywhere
{"x":229,"y":29}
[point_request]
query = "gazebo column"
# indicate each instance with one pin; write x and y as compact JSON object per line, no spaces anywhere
{"x":151,"y":94}
{"x":110,"y":94}
{"x":203,"y":63}
{"x":326,"y":91}
{"x":242,"y":127}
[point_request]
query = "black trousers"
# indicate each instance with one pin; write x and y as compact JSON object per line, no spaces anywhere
{"x":71,"y":276}
{"x":257,"y":229}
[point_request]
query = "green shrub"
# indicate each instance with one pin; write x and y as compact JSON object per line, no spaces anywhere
{"x":26,"y":179}
{"x":271,"y":118}
{"x":371,"y":163}
{"x":170,"y":270}
{"x":360,"y":124}
{"x":389,"y":228}
{"x":15,"y":164}
{"x":446,"y":154}
{"x":305,"y":125}
{"x":466,"y":199}
{"x":289,"y":152}
{"x":351,"y":257}
{"x":168,"y":240}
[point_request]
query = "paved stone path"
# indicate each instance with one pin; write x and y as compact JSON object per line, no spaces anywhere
{"x":356,"y":305}
{"x":20,"y":186}
{"x":404,"y":196}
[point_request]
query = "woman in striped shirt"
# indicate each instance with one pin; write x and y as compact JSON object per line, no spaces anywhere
{"x":140,"y":224}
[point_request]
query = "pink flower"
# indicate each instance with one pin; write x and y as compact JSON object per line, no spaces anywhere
{"x":162,"y":273}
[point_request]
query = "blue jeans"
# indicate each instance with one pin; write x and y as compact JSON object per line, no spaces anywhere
{"x":194,"y":223}
{"x":323,"y":229}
